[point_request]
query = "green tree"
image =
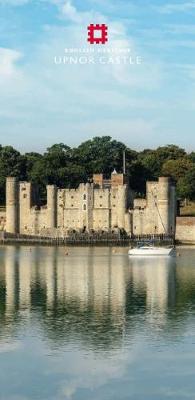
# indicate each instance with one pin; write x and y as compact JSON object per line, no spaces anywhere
{"x":100,"y":155}
{"x":186,"y":185}
{"x":153,"y":160}
{"x":177,"y":169}
{"x":12,"y":163}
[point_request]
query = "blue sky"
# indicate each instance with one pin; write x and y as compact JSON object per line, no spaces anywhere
{"x":42,"y":103}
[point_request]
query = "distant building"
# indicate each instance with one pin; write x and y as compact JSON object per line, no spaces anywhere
{"x":103,"y":205}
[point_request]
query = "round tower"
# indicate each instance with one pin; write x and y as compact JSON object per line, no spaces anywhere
{"x":121,"y":206}
{"x":12,"y":205}
{"x":51,"y":206}
{"x":163,"y":205}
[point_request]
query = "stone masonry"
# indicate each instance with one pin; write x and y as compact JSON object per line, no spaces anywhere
{"x":103,"y":205}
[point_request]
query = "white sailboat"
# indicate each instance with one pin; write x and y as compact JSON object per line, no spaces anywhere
{"x":151,"y":250}
{"x":147,"y":250}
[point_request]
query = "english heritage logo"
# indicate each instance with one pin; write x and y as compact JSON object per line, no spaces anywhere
{"x":97,"y":34}
{"x":103,"y":55}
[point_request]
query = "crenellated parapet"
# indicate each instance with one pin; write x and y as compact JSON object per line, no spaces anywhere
{"x":99,"y":205}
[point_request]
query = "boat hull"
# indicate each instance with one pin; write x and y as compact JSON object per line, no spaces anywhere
{"x":151,"y":252}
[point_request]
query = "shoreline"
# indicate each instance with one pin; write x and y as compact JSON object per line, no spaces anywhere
{"x":87,"y":240}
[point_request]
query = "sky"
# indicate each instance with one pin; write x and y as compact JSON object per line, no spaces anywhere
{"x":144,"y":106}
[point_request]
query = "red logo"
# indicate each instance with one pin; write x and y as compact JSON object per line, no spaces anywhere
{"x":97,"y":34}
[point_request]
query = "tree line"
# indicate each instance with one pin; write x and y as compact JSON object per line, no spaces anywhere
{"x":67,"y":167}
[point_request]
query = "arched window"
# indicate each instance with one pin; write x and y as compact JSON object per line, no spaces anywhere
{"x":84,"y":207}
{"x":84,"y":197}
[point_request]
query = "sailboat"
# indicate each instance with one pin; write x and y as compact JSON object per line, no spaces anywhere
{"x":150,"y":250}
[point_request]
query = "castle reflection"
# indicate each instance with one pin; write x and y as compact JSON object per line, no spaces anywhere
{"x":89,"y":295}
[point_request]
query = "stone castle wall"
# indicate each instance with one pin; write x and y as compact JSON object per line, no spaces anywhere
{"x":157,"y":213}
{"x":185,"y":230}
{"x":102,"y":205}
{"x":2,"y":219}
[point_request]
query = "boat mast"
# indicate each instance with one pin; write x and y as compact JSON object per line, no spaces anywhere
{"x":124,"y":162}
{"x":155,"y":202}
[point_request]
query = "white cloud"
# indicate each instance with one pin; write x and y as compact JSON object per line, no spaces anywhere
{"x":71,"y":12}
{"x":8,"y":60}
{"x":57,"y":103}
{"x":180,"y":29}
{"x":177,"y":7}
{"x":84,"y":100}
{"x":68,"y":11}
{"x":94,"y":372}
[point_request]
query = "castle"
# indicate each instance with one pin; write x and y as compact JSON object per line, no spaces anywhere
{"x":102,"y":205}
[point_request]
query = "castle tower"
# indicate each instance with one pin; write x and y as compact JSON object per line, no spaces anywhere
{"x":51,"y":206}
{"x":164,"y":205}
{"x":121,"y":206}
{"x":25,"y":196}
{"x":11,"y":205}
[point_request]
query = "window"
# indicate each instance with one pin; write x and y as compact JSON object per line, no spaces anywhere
{"x":100,"y":197}
{"x":114,"y":205}
{"x":100,"y":205}
{"x":84,"y":207}
{"x":72,"y":205}
{"x":24,"y":196}
{"x":84,"y":197}
{"x":72,"y":197}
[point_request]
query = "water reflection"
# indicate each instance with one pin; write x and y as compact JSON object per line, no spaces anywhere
{"x":92,"y":294}
{"x":156,"y":278}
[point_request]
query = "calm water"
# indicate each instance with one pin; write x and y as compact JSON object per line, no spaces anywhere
{"x":96,"y":325}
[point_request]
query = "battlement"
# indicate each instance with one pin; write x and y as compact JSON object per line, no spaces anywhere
{"x":157,"y":213}
{"x":115,"y":180}
{"x":102,"y":205}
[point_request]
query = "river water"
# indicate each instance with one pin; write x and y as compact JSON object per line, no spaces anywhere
{"x":96,"y":325}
